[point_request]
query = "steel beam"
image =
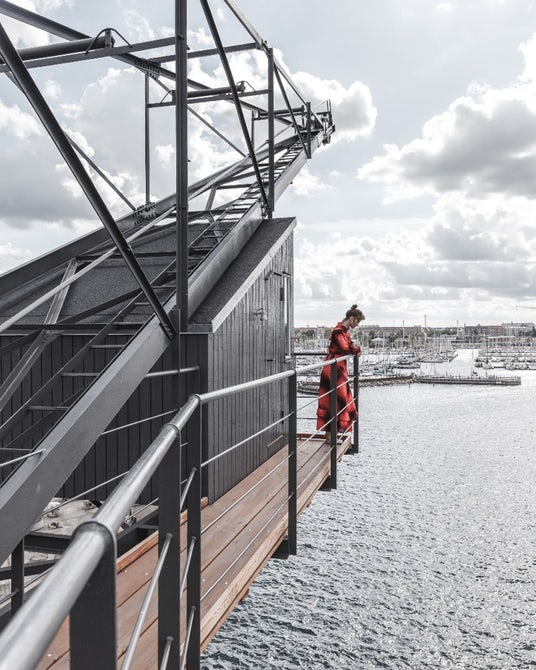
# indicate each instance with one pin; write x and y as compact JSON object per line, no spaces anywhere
{"x":225,"y":63}
{"x":181,"y":160}
{"x":62,"y":48}
{"x":55,"y":28}
{"x":34,"y":484}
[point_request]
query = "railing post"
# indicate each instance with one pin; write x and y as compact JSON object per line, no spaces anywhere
{"x":93,"y":618}
{"x":333,"y":427}
{"x":169,"y":523}
{"x":355,"y":447}
{"x":17,"y":577}
{"x":193,"y":583}
{"x":292,"y":466}
{"x":168,"y":585}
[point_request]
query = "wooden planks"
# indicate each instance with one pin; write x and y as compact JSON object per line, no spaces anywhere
{"x":235,"y":548}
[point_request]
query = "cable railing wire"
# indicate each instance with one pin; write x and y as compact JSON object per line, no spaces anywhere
{"x":136,"y":423}
{"x":165,"y":655}
{"x":187,"y":638}
{"x":244,"y":441}
{"x":187,"y":487}
{"x":244,"y":495}
{"x":21,"y":458}
{"x":246,"y":548}
{"x":129,"y":655}
{"x":51,"y":602}
{"x":187,"y":566}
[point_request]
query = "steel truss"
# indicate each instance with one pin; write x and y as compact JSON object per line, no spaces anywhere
{"x":206,"y":223}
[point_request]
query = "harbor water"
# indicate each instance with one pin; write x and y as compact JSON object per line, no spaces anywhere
{"x":424,"y":556}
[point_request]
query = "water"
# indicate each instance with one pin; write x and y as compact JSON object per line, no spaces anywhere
{"x":425,"y":555}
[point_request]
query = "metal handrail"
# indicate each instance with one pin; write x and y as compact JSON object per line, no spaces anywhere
{"x":51,"y":603}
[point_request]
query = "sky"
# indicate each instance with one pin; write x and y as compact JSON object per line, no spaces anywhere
{"x":421,"y":209}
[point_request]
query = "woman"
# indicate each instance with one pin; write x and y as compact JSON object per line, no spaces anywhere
{"x":340,"y":344}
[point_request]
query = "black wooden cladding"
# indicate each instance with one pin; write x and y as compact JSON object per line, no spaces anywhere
{"x":112,"y":454}
{"x":251,"y":343}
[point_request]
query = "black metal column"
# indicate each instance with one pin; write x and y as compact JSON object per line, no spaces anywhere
{"x":17,"y":577}
{"x":355,"y":447}
{"x":94,"y":645}
{"x":169,"y":478}
{"x":292,"y":466}
{"x":181,"y":158}
{"x":193,"y":583}
{"x":147,"y":144}
{"x":271,"y":132}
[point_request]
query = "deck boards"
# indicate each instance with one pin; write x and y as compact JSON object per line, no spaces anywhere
{"x":222,"y":541}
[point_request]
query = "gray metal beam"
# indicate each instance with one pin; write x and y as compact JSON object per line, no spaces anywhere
{"x":62,"y":48}
{"x":32,"y":486}
{"x":181,"y":161}
{"x":225,"y":63}
{"x":55,"y":28}
{"x":103,"y":52}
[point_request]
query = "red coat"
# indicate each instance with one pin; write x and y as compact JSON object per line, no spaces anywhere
{"x":340,"y":344}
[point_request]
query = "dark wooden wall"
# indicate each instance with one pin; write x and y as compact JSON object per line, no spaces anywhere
{"x":251,"y":343}
{"x":113,"y":453}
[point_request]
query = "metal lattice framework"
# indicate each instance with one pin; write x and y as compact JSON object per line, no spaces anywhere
{"x":138,"y":277}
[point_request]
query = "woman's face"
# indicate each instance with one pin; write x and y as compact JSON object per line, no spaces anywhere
{"x":354,"y":322}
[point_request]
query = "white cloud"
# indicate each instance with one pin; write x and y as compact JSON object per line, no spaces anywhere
{"x":51,"y":5}
{"x":52,"y":89}
{"x":21,"y":34}
{"x":478,"y":158}
{"x":484,"y":144}
{"x":18,"y":123}
{"x":353,"y":111}
{"x":165,"y":154}
{"x":139,"y":28}
{"x":10,"y":253}
{"x":308,"y":185}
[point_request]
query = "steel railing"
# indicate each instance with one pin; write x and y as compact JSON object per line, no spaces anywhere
{"x":82,"y":583}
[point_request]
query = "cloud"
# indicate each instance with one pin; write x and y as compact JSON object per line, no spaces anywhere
{"x":483,"y":144}
{"x":52,"y":89}
{"x":17,"y":123}
{"x":478,"y":160}
{"x":10,"y":254}
{"x":139,"y":28}
{"x":353,"y":111}
{"x":23,"y":35}
{"x":308,"y":185}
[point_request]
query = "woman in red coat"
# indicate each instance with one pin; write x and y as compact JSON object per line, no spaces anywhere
{"x":340,"y":344}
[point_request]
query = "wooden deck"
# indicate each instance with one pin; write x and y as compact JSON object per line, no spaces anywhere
{"x":225,"y":581}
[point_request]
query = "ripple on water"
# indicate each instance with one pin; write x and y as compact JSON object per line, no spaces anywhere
{"x":424,"y":557}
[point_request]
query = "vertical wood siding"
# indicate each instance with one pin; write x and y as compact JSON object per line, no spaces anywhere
{"x":242,"y":349}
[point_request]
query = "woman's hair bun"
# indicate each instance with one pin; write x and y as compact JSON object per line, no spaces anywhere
{"x":353,"y":307}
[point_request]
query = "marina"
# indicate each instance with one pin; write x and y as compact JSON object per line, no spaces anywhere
{"x":424,"y":555}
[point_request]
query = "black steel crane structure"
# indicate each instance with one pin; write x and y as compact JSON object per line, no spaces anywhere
{"x":122,"y":295}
